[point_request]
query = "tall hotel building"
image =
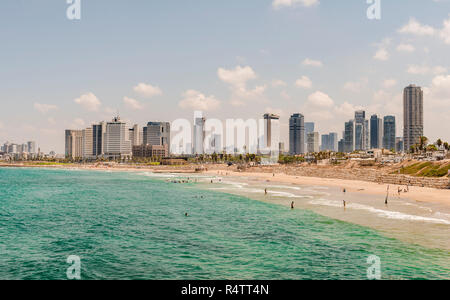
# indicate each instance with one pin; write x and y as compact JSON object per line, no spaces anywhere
{"x":389,"y":133}
{"x":98,"y":139}
{"x":297,"y":134}
{"x":117,"y":143}
{"x":412,"y":116}
{"x":270,"y":130}
{"x":199,"y":133}
{"x":157,"y":134}
{"x":74,"y":144}
{"x":376,"y":132}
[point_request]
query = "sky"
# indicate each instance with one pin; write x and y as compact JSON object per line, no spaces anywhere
{"x":155,"y":60}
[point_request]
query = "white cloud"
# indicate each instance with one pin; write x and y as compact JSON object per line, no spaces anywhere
{"x":1,"y":126}
{"x":320,"y":100}
{"x":44,"y":108}
{"x":382,"y":55}
{"x":132,"y":103}
{"x":51,"y":121}
{"x":356,"y":86}
{"x":147,"y":90}
{"x":444,"y":34}
{"x":415,"y":28}
{"x":304,"y":82}
{"x":277,"y":4}
{"x":424,"y":70}
{"x":237,"y":78}
{"x":195,"y":100}
{"x":89,"y":102}
{"x":312,"y":63}
{"x":389,"y":83}
{"x":406,"y":48}
{"x":278,"y":83}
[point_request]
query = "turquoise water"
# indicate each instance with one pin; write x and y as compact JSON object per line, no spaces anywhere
{"x":131,"y":226}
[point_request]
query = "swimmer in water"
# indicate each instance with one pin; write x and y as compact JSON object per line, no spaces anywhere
{"x":186,"y":215}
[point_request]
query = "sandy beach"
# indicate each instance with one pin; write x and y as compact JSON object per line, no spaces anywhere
{"x":419,"y":194}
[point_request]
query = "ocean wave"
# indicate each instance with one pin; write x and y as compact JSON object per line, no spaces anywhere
{"x":380,"y":212}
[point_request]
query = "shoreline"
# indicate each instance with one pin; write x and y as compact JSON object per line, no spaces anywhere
{"x":355,"y":187}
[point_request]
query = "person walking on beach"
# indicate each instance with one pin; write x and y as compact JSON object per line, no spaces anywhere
{"x":345,"y":204}
{"x":265,"y":191}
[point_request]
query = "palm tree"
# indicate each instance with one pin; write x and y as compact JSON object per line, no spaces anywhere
{"x":423,"y":143}
{"x":446,"y":146}
{"x":439,"y":143}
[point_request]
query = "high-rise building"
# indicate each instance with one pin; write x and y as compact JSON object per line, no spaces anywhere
{"x":31,"y":146}
{"x":341,"y":146}
{"x":88,"y":139}
{"x":74,"y":144}
{"x":325,"y":142}
{"x":390,"y":132}
{"x":412,"y":116}
{"x":157,"y":134}
{"x":399,"y":147}
{"x":349,"y":136}
{"x":309,"y":127}
{"x":135,"y":135}
{"x":117,"y":142}
{"x":297,"y":134}
{"x":361,"y":131}
{"x":269,"y":129}
{"x":199,"y":133}
{"x":313,"y":142}
{"x":98,"y":139}
{"x":333,"y":142}
{"x":376,"y":132}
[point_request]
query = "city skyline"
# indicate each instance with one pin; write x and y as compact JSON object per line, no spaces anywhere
{"x":56,"y":75}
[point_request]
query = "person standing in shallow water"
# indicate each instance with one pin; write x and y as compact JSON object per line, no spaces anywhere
{"x":292,"y":205}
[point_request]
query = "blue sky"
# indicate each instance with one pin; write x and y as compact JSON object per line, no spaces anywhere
{"x":161,"y":60}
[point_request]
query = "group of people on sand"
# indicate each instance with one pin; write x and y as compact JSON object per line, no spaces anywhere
{"x":386,"y":201}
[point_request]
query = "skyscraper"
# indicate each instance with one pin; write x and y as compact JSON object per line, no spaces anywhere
{"x":98,"y":139}
{"x":88,"y":139}
{"x":309,"y":127}
{"x":325,"y":145}
{"x":333,"y":142}
{"x":349,"y":136}
{"x":135,"y":135}
{"x":313,"y":142}
{"x":297,"y":134}
{"x":269,"y":133}
{"x":376,"y":132}
{"x":74,"y":144}
{"x":157,"y":134}
{"x":31,"y":147}
{"x":199,"y":133}
{"x":389,"y":133}
{"x":117,"y":142}
{"x":412,"y":116}
{"x":361,"y":131}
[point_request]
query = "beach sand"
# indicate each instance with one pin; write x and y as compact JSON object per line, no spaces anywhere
{"x":419,"y":194}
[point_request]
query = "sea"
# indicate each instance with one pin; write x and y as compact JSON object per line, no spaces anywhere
{"x":145,"y":226}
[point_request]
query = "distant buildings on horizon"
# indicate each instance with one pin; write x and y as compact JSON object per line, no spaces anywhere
{"x":116,"y":140}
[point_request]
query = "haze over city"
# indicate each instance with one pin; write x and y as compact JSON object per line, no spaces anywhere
{"x":159,"y":61}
